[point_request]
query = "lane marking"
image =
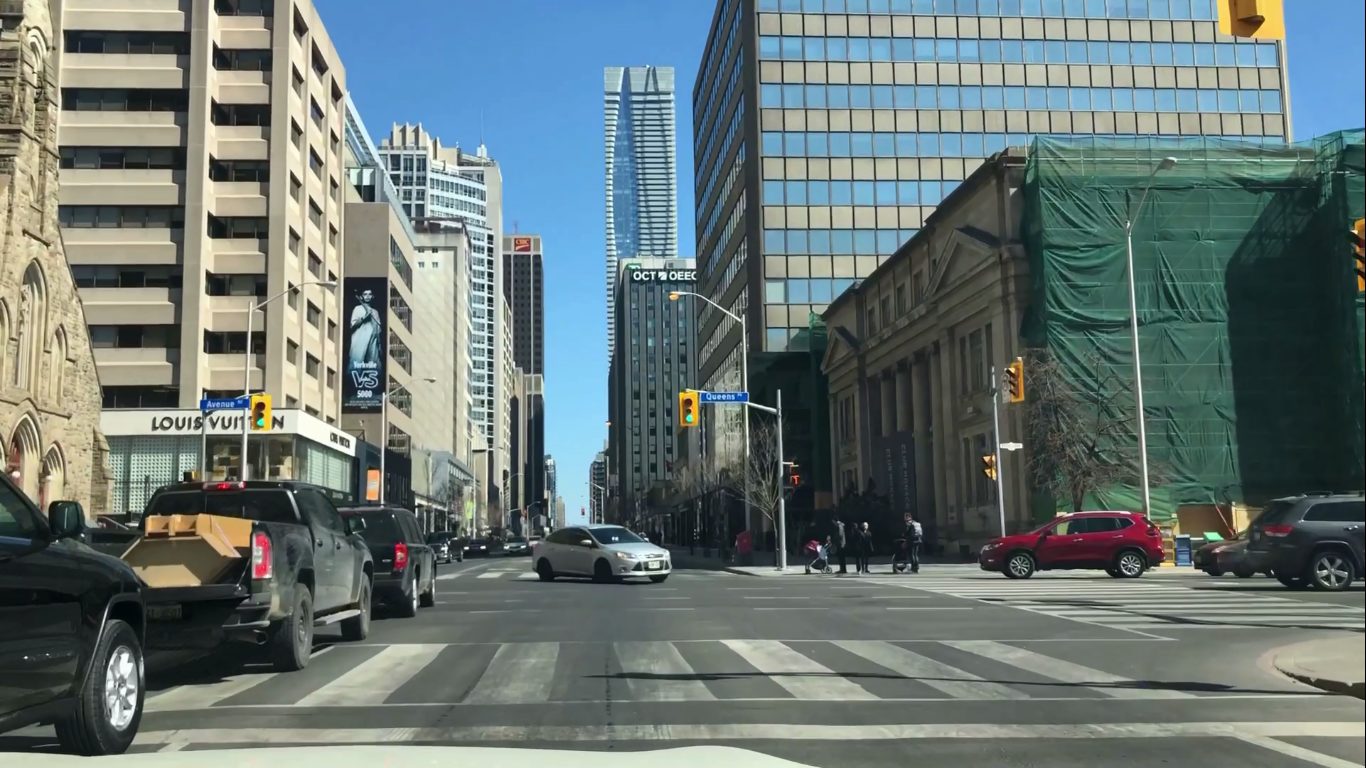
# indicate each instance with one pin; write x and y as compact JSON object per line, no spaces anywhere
{"x":665,"y":673}
{"x":1297,"y":752}
{"x":1064,"y":671}
{"x":518,"y":673}
{"x":751,"y":732}
{"x":376,"y":678}
{"x":929,"y":608}
{"x":193,"y":696}
{"x":799,"y":675}
{"x":958,"y":683}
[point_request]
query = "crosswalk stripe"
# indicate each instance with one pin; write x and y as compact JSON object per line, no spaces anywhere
{"x":200,"y":696}
{"x":1064,"y":671}
{"x":667,"y":672}
{"x":490,"y":575}
{"x":797,"y":674}
{"x":938,"y":675}
{"x":520,"y":673}
{"x":376,"y":678}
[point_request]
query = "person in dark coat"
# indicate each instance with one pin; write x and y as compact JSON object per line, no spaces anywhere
{"x":841,"y":543}
{"x":915,"y":538}
{"x":863,"y":547}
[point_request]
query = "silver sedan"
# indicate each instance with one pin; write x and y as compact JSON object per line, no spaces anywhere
{"x":604,"y":552}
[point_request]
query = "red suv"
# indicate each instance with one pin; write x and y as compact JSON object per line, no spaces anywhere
{"x":1124,"y":544}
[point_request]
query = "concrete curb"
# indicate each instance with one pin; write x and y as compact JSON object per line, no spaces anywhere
{"x":1289,"y":662}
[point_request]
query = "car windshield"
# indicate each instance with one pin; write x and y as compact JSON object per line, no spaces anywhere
{"x":1275,"y":512}
{"x":268,"y":505}
{"x":438,"y":538}
{"x":380,"y":527}
{"x":614,"y":535}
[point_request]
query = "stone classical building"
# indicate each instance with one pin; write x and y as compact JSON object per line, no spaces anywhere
{"x":49,"y":390}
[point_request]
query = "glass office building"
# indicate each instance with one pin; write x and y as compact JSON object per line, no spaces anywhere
{"x":825,"y":131}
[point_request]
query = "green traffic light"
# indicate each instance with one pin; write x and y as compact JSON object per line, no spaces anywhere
{"x":688,"y":418}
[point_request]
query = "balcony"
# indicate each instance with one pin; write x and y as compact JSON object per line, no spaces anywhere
{"x":130,"y":306}
{"x":241,"y":142}
{"x":125,"y":70}
{"x":105,"y":186}
{"x":124,"y":246}
{"x":122,"y":129}
{"x":139,"y":366}
{"x":242,"y":86}
{"x":240,"y":198}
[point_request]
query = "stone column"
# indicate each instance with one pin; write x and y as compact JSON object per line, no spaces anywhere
{"x":904,"y":407}
{"x":890,"y":406}
{"x":921,"y":422}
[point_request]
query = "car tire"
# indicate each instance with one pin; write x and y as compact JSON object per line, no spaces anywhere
{"x":428,"y":598}
{"x":1114,"y":574}
{"x":1244,"y":573}
{"x":407,"y":609}
{"x":357,"y":628}
{"x":292,"y":643}
{"x":1019,"y":565}
{"x":544,"y":571}
{"x":659,"y":579}
{"x":1292,"y":582}
{"x":1330,"y":571}
{"x":90,"y":729}
{"x":602,"y":572}
{"x":1215,"y":572}
{"x":1130,"y":564}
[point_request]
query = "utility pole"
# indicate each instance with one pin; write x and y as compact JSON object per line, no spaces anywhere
{"x":996,"y":446}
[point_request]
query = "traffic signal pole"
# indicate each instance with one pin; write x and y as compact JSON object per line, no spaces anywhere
{"x":996,"y":446}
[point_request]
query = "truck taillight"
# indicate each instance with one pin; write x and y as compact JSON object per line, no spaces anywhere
{"x":1277,"y":531}
{"x":400,"y":556}
{"x":262,"y":564}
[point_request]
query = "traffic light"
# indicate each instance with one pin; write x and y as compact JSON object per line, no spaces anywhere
{"x":688,"y":414}
{"x":989,"y":466}
{"x":260,"y":412}
{"x":1260,"y":19}
{"x":1359,"y":252}
{"x":1015,"y":381}
{"x":794,"y":476}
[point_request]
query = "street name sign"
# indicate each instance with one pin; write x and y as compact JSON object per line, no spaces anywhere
{"x":724,"y":397}
{"x":223,"y":403}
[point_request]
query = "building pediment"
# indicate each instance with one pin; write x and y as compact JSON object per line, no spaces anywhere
{"x":962,"y":253}
{"x":841,"y":346}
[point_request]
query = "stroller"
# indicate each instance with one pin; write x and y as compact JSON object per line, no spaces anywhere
{"x":821,"y":557}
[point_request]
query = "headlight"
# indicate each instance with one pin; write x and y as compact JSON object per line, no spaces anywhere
{"x":624,"y":555}
{"x":991,"y":546}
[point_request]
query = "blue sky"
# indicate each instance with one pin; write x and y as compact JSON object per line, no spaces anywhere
{"x":530,"y":73}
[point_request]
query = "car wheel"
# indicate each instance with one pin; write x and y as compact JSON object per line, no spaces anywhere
{"x":1292,"y":582}
{"x":108,"y":706}
{"x":293,"y":639}
{"x":1114,"y":574}
{"x":357,"y":628}
{"x":1215,"y":572}
{"x":1331,"y":571}
{"x":1244,"y":573}
{"x":659,"y":579}
{"x":602,"y":572}
{"x":1019,"y":566}
{"x":408,"y":608}
{"x":428,"y":598}
{"x":1130,"y":564}
{"x":544,"y":571}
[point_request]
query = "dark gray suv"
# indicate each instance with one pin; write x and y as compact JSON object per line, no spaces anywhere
{"x":1311,"y":540}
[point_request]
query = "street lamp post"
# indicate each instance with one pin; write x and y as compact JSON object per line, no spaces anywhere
{"x":1165,"y":164}
{"x":246,"y":356}
{"x":744,"y":378}
{"x":602,"y":502}
{"x":384,"y":436}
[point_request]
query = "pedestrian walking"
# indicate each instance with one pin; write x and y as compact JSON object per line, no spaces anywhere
{"x":841,"y":542}
{"x":863,"y":547}
{"x":915,"y":537}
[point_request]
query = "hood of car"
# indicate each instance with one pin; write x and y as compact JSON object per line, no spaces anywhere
{"x":642,"y":548}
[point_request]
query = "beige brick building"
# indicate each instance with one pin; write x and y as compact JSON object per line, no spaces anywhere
{"x":49,"y":391}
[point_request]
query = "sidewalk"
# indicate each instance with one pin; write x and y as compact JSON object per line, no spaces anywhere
{"x":1333,"y":664}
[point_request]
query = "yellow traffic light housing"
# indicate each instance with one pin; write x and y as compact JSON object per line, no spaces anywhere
{"x":689,"y":413}
{"x":1014,"y":380}
{"x":260,"y":412}
{"x":989,"y":466}
{"x":1260,"y":19}
{"x":1359,"y":252}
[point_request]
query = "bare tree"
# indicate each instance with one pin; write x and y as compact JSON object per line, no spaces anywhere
{"x":758,"y":483}
{"x":1073,"y":426}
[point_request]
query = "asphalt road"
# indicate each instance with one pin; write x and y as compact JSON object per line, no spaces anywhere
{"x":950,"y":667}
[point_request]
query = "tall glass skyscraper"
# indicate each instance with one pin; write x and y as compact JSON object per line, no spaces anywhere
{"x":641,"y":169}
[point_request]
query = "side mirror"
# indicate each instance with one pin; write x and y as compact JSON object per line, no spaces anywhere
{"x":586,"y":543}
{"x":66,"y":518}
{"x":355,"y":524}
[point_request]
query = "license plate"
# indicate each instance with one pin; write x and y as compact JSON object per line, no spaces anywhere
{"x":654,"y":565}
{"x":165,"y":612}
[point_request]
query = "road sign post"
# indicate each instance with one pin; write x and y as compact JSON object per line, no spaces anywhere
{"x":996,"y":446}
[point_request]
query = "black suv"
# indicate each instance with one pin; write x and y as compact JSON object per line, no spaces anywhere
{"x":1311,"y":540}
{"x":73,"y":626}
{"x":405,"y":566}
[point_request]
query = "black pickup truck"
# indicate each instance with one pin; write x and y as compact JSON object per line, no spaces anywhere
{"x":306,"y":568}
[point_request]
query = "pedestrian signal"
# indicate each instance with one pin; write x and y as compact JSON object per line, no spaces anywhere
{"x":688,"y":413}
{"x":260,"y":412}
{"x":989,"y":466}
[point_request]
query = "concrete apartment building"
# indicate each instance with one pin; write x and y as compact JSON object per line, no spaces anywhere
{"x":203,"y":169}
{"x":826,"y":131}
{"x":641,"y":170}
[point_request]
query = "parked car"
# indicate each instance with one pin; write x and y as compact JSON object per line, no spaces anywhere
{"x":483,"y":547}
{"x":604,"y":552}
{"x":1123,"y":544}
{"x":1311,"y":540}
{"x":517,"y":546}
{"x":405,"y":565}
{"x":305,"y":568}
{"x":73,"y":626}
{"x":1225,"y":556}
{"x":446,"y":547}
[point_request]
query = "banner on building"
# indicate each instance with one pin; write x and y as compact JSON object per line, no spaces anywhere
{"x":365,"y":345}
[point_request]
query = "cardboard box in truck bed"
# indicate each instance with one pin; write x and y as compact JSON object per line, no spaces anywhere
{"x":188,"y":550}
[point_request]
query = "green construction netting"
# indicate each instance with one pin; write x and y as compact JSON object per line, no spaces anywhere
{"x":1250,"y":321}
